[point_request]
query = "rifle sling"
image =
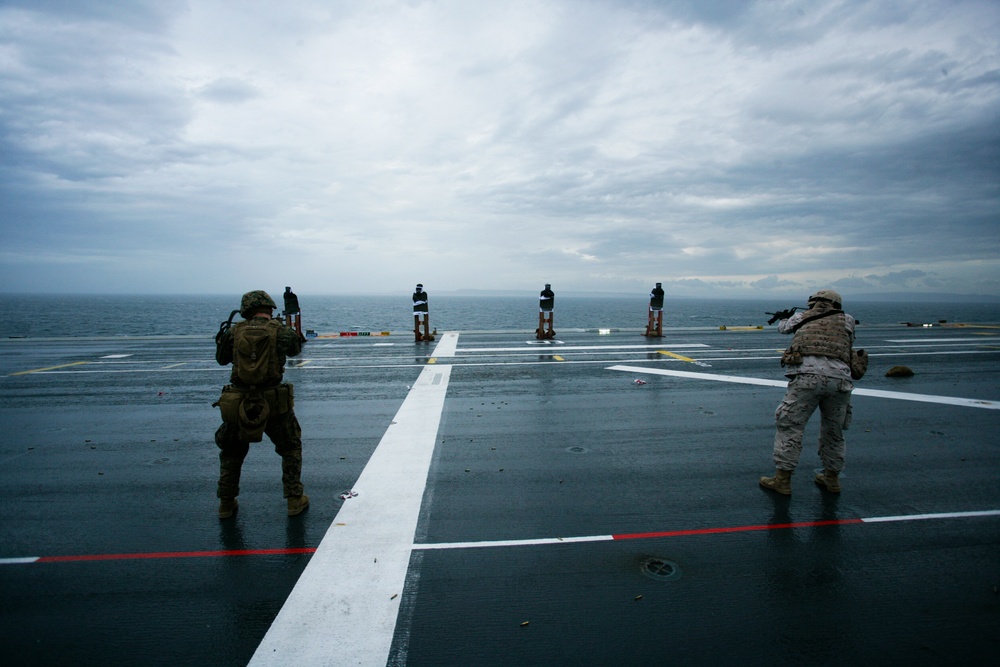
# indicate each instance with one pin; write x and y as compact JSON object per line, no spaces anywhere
{"x":816,"y":317}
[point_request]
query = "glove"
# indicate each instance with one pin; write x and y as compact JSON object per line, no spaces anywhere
{"x":781,"y":315}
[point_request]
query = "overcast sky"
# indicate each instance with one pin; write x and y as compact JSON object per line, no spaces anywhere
{"x":725,"y":149}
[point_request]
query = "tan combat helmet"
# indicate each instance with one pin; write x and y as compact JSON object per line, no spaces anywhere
{"x":826,"y":295}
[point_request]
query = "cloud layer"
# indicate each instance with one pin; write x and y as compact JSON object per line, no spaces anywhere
{"x":722,"y":148}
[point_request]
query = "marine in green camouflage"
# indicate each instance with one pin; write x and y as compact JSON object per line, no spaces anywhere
{"x":282,"y":427}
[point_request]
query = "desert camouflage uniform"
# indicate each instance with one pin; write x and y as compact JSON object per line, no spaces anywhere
{"x":282,"y":429}
{"x":819,"y":381}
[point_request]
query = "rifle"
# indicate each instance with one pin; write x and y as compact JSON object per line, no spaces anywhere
{"x":781,"y":315}
{"x":224,"y":327}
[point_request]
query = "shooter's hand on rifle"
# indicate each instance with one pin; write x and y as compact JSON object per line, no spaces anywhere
{"x":224,"y":327}
{"x":781,"y":315}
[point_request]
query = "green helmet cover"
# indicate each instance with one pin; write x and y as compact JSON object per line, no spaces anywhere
{"x":255,"y":299}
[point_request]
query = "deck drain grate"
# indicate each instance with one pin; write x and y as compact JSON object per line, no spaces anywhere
{"x":660,"y":569}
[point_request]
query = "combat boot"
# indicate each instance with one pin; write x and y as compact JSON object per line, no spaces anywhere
{"x":780,"y":483}
{"x":297,"y":504}
{"x":227,"y":507}
{"x":829,"y":480}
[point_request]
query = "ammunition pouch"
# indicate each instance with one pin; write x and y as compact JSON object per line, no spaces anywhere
{"x":254,"y":412}
{"x":250,"y":410}
{"x":791,"y":357}
{"x":229,"y":404}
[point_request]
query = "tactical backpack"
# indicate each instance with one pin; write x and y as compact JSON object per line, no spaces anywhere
{"x":255,"y":352}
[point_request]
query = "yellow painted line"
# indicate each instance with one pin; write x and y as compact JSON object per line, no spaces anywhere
{"x":676,"y":356}
{"x":432,"y":360}
{"x":51,"y":368}
{"x":557,"y":357}
{"x":302,"y":363}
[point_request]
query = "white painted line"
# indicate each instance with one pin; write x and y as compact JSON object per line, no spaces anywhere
{"x":343,"y":608}
{"x":564,"y":348}
{"x":876,"y":393}
{"x":116,"y":356}
{"x":18,"y":561}
{"x":701,"y":376}
{"x":922,"y":517}
{"x":928,"y":398}
{"x":447,"y":345}
{"x":698,"y":531}
{"x":514,"y":543}
{"x":920,"y":341}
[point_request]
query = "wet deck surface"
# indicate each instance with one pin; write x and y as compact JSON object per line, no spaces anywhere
{"x":557,"y":488}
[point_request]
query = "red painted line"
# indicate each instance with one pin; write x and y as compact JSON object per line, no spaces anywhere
{"x":734,"y":529}
{"x":620,"y":536}
{"x":177,"y":554}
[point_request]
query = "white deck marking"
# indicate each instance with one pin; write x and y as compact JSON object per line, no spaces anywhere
{"x":513,"y":543}
{"x":565,"y":348}
{"x":447,"y":345}
{"x":701,"y":376}
{"x":925,"y":517}
{"x":343,"y":608}
{"x":877,"y":393}
{"x":920,"y":341}
{"x":488,"y":544}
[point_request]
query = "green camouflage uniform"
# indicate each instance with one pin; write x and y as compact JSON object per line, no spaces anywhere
{"x":282,"y":429}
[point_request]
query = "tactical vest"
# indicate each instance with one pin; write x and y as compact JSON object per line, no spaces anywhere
{"x":256,"y":362}
{"x":822,"y":333}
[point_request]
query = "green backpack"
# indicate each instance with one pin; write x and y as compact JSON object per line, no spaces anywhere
{"x":255,"y":352}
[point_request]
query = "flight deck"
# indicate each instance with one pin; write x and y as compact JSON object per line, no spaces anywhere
{"x":493,"y":499}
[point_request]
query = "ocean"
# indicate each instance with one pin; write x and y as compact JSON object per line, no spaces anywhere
{"x":42,"y":316}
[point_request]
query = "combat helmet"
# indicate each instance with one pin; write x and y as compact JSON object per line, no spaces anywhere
{"x":255,"y":299}
{"x":826,"y":295}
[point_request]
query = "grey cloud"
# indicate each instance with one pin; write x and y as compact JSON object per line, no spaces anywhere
{"x":851,"y":283}
{"x":228,"y":90}
{"x":90,"y":108}
{"x":569,"y":146}
{"x":146,"y":15}
{"x":773,"y":282}
{"x":896,"y":278}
